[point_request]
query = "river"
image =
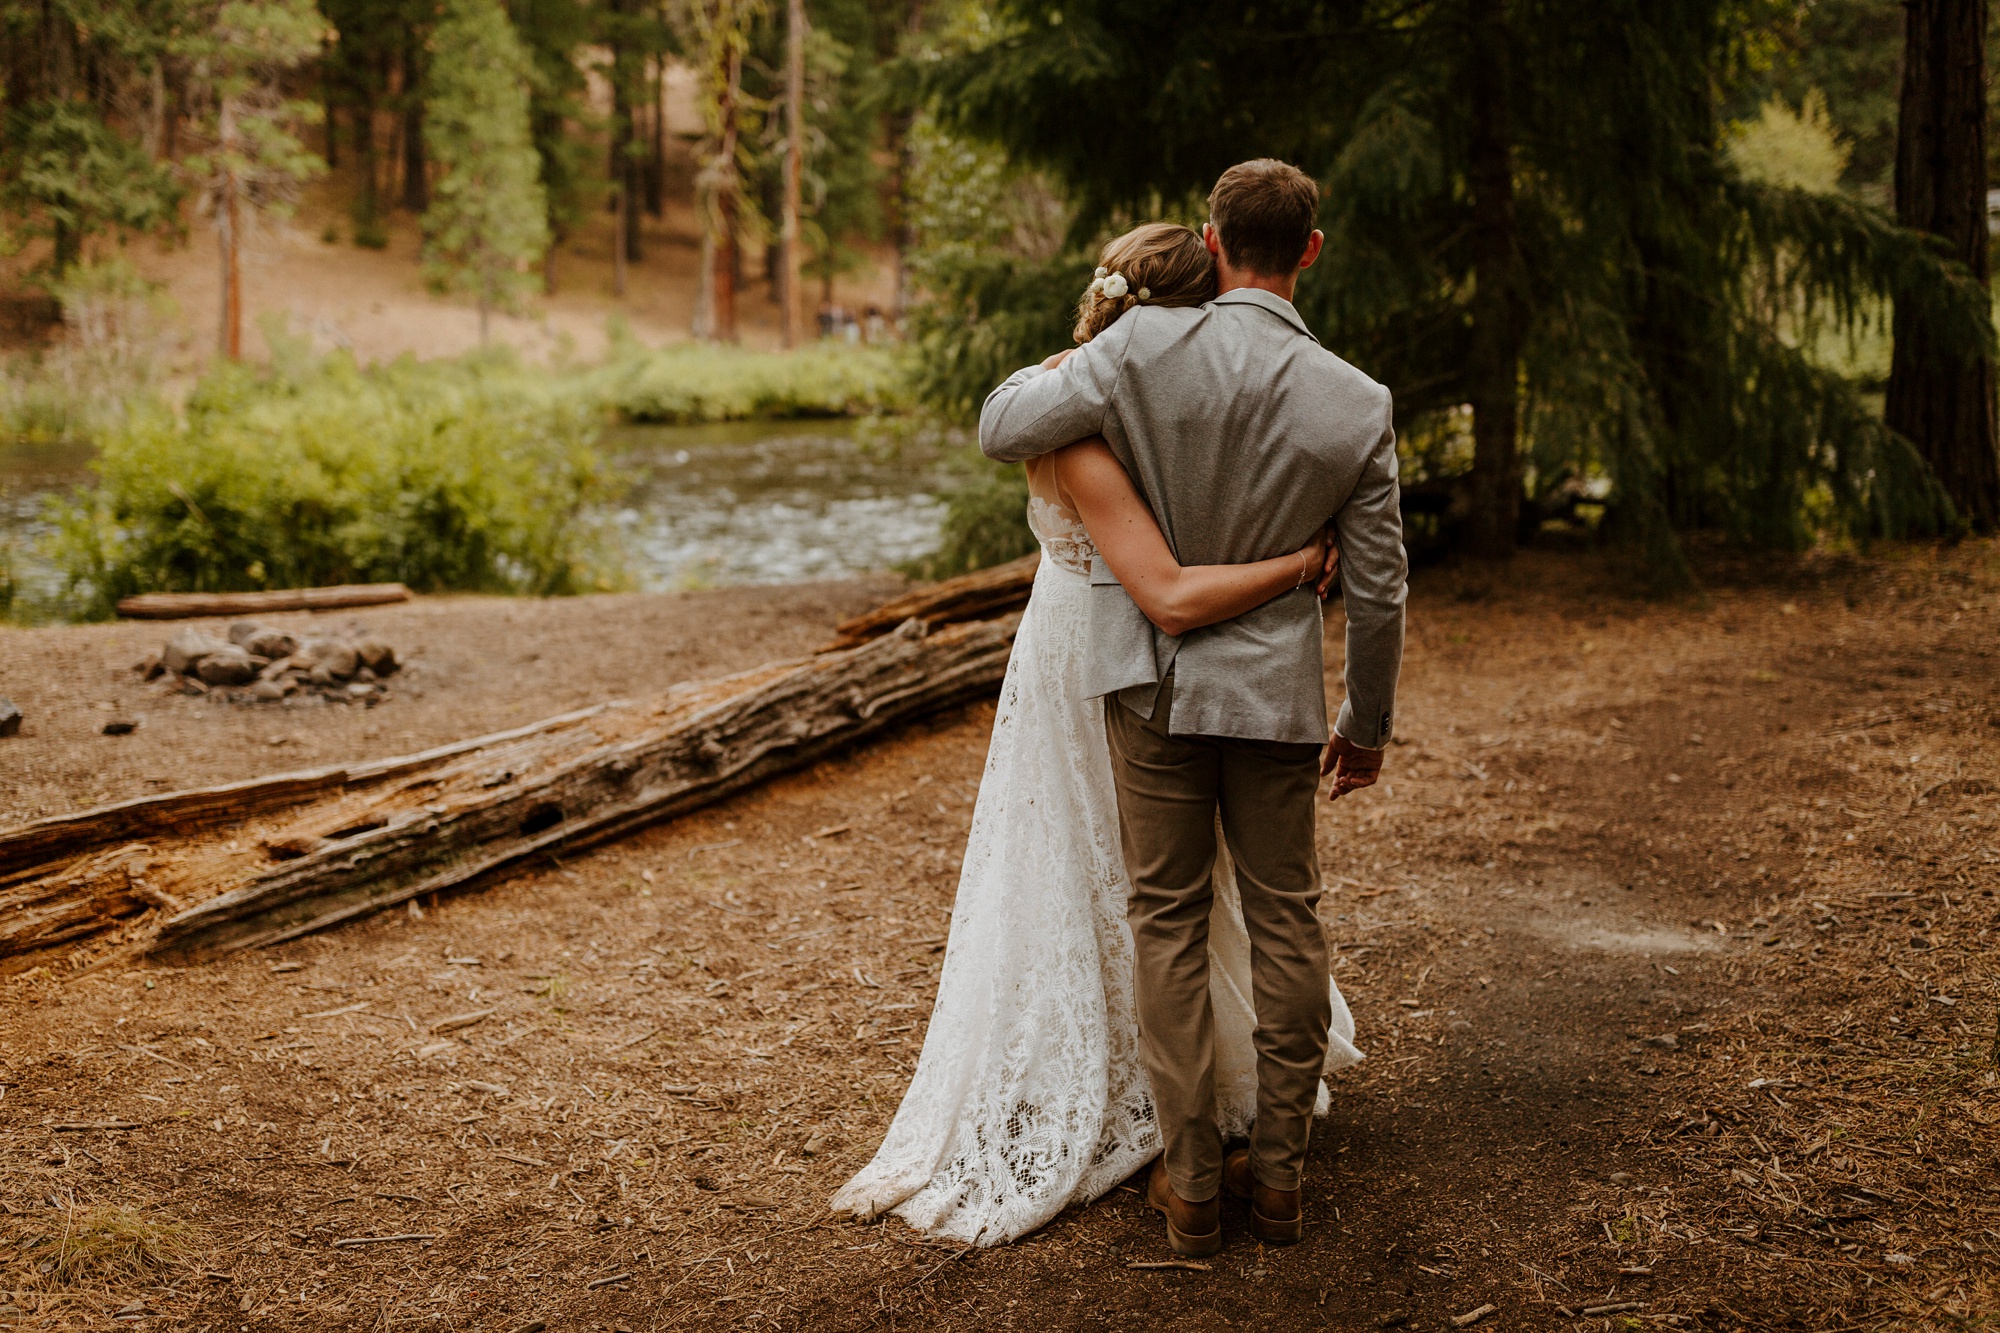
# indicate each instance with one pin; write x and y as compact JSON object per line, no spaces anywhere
{"x":740,"y":502}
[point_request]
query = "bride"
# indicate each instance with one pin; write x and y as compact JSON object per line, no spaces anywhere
{"x":1030,"y":1095}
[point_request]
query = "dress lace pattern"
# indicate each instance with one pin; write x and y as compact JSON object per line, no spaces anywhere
{"x":1030,"y":1095}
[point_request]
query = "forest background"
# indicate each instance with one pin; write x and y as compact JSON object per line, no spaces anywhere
{"x":1641,"y":275}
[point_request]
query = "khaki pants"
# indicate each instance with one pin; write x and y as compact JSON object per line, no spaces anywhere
{"x":1170,"y":789}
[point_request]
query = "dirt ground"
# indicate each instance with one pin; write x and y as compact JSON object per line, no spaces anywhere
{"x":1667,"y":936}
{"x":472,"y":665}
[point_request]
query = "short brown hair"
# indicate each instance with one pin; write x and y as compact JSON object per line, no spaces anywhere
{"x":1263,"y":212}
{"x":1162,"y":263}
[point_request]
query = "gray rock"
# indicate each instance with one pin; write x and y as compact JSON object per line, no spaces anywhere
{"x":377,"y":656}
{"x":360,"y":689}
{"x":339,"y":659}
{"x":268,"y":691}
{"x":319,"y":675}
{"x":273,"y":643}
{"x":149,"y":667}
{"x":1665,"y":1041}
{"x":228,"y":665}
{"x":243,"y":631}
{"x":10,"y":718}
{"x":186,"y":650}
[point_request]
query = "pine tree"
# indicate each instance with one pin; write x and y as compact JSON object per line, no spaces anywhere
{"x":721,"y":31}
{"x":238,"y":53}
{"x":488,"y":219}
{"x":71,"y":165}
{"x":1525,"y":200}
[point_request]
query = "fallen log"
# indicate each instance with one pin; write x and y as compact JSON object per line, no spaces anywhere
{"x":447,"y":827}
{"x":184,"y":605}
{"x":981,"y":595}
{"x":27,"y":848}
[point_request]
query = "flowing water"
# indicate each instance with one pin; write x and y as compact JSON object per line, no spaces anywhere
{"x":741,"y":502}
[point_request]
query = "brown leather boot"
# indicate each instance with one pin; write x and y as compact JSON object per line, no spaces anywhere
{"x":1193,"y":1229}
{"x":1275,"y":1215}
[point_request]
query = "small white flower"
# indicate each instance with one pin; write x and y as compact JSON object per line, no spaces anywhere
{"x":1115,"y":286}
{"x":1145,"y":293}
{"x":1101,"y":271}
{"x":1096,"y":287}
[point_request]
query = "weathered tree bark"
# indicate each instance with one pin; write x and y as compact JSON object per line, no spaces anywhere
{"x":1498,"y":323}
{"x":183,"y":605}
{"x":29,"y":849}
{"x":1941,"y":401}
{"x":980,"y":595}
{"x":440,"y":833}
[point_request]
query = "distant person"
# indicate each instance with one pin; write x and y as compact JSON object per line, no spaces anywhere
{"x":873,"y":327}
{"x":1189,"y":463}
{"x":826,"y":319}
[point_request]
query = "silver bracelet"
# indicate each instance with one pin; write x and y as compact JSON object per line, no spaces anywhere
{"x":1305,"y":570}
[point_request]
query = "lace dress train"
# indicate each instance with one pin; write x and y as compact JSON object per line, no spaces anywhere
{"x":1029,"y":1094}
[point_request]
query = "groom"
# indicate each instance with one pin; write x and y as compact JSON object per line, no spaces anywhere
{"x":1244,"y":435}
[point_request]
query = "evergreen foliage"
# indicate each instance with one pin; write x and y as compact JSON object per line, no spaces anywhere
{"x":488,"y":219}
{"x":68,"y":176}
{"x":1660,"y":289}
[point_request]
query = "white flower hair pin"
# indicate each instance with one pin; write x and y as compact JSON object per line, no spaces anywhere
{"x":1111,"y":285}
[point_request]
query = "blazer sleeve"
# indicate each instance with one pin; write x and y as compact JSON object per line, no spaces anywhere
{"x":1374,"y":582}
{"x":1037,"y":411}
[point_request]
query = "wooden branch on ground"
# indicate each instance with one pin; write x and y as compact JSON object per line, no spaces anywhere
{"x":183,"y":605}
{"x":28,"y":848}
{"x":980,"y":595}
{"x":708,"y":741}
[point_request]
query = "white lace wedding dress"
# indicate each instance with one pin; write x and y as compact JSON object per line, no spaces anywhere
{"x":1029,"y":1094}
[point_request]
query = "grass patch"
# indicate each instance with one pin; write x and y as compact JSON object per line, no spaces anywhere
{"x":97,"y":1243}
{"x":700,"y":382}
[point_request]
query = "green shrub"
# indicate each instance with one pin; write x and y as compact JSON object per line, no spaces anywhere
{"x":699,"y":382}
{"x":985,"y":522}
{"x":461,"y":475}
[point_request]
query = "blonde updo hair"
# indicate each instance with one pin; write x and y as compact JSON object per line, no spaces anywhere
{"x":1165,"y":261}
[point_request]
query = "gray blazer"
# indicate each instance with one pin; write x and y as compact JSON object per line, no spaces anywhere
{"x":1244,"y":435}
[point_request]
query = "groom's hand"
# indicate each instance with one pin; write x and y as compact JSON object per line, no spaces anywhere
{"x":1052,"y":362}
{"x":1351,"y":766}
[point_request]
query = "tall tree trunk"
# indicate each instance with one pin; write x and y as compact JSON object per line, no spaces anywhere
{"x":1493,"y":369}
{"x":621,"y":205}
{"x":656,"y":138}
{"x":902,"y":230}
{"x":723,"y":215}
{"x":416,"y":178}
{"x":368,"y":205}
{"x":625,"y":167}
{"x":228,"y":235}
{"x":156,"y":112}
{"x":795,"y":160}
{"x":1942,"y":402}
